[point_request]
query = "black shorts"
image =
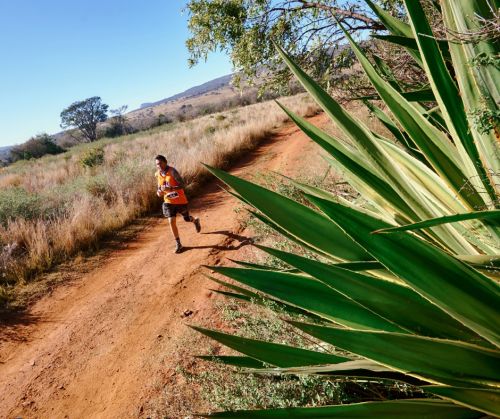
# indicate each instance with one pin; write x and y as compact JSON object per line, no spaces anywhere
{"x":171,"y":210}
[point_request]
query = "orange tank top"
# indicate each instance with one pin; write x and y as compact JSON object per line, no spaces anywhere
{"x":177,"y":196}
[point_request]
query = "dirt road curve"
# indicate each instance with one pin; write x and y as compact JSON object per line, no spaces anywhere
{"x":87,"y":350}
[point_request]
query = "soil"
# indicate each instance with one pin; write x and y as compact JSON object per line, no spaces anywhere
{"x":107,"y":343}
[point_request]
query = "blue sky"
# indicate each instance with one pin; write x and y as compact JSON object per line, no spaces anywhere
{"x":54,"y":52}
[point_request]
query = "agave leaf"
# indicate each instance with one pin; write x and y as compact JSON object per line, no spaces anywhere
{"x":359,"y":368}
{"x":479,"y":84}
{"x":402,"y":137}
{"x":285,"y":233}
{"x":310,"y":295}
{"x":396,"y":27}
{"x":476,"y":215}
{"x":436,"y":147}
{"x":437,"y":360}
{"x":332,"y":145}
{"x":360,"y":266}
{"x":383,"y":297}
{"x":486,"y":400}
{"x":235,"y":361}
{"x":298,"y":220}
{"x":386,"y":71}
{"x":437,"y":195}
{"x":372,"y":152}
{"x":371,"y":179}
{"x":424,"y":177}
{"x":421,"y":95}
{"x":404,"y":190}
{"x":447,"y":96}
{"x":411,"y":43}
{"x":464,"y":293}
{"x":403,"y":41}
{"x":321,"y":193}
{"x":272,"y":353}
{"x":357,"y":364}
{"x":259,"y":266}
{"x":233,"y":295}
{"x":244,"y":291}
{"x":491,"y":261}
{"x":408,"y":409}
{"x":249,"y":296}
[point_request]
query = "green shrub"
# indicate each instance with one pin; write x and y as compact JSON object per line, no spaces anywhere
{"x":35,"y":148}
{"x":18,"y":203}
{"x":99,"y":187}
{"x":92,"y":157}
{"x":210,"y":130}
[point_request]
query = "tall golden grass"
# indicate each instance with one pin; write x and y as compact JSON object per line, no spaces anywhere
{"x":76,"y":205}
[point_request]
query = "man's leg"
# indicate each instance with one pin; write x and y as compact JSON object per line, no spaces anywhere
{"x":170,"y":212}
{"x":190,"y":219}
{"x":173,"y":226}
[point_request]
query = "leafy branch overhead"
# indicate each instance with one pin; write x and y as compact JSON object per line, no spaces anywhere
{"x":306,"y":29}
{"x":418,"y":305}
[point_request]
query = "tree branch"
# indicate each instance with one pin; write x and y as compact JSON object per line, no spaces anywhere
{"x":373,"y":24}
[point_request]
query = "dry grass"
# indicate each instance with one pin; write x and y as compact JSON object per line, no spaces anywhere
{"x":54,"y":207}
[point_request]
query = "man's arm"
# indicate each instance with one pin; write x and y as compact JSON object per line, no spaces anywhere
{"x":159,"y":192}
{"x":178,"y":179}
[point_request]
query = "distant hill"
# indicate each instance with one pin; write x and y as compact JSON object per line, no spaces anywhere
{"x":5,"y":152}
{"x":212,"y":96}
{"x":214,"y":84}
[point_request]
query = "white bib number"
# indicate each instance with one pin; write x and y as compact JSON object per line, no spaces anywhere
{"x":172,"y":195}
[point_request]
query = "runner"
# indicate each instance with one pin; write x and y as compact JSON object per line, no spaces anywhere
{"x":171,"y":189}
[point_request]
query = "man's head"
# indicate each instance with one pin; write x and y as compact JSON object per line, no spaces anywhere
{"x":161,"y":162}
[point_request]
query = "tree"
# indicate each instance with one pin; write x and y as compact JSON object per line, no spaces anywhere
{"x":118,"y":122}
{"x":35,"y":148}
{"x":85,"y":115}
{"x":308,"y":30}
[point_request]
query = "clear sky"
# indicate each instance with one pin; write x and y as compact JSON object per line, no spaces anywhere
{"x":55,"y":52}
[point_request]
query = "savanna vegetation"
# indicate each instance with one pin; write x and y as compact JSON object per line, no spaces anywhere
{"x":57,"y":206}
{"x":398,"y":282}
{"x":36,"y":147}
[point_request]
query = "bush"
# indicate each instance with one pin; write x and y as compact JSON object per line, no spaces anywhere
{"x":115,"y":130}
{"x":92,"y":157}
{"x":210,"y":130}
{"x":163,"y":119}
{"x":18,"y":203}
{"x":35,"y":148}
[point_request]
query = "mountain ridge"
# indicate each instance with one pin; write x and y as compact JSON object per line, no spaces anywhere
{"x":198,"y":90}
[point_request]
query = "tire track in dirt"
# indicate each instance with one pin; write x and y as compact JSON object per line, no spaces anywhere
{"x":87,"y":350}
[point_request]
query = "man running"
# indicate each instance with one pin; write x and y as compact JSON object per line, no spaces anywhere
{"x":171,"y":189}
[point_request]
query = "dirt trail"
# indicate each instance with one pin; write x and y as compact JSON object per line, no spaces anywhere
{"x":86,"y":350}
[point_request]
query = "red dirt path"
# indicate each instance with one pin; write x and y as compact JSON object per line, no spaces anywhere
{"x":93,"y":348}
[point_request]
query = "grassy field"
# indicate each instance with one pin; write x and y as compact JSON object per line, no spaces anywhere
{"x":55,"y":207}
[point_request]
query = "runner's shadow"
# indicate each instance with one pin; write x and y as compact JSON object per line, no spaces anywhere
{"x":14,"y":326}
{"x":243,"y":241}
{"x":217,"y":246}
{"x":231,"y":235}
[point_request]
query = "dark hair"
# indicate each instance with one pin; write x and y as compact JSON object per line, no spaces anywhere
{"x":161,"y":158}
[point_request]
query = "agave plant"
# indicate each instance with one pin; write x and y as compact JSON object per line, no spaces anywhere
{"x":407,"y":286}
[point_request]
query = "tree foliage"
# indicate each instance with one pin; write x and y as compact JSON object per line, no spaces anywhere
{"x":118,"y":123}
{"x":36,"y":147}
{"x":309,"y":30}
{"x":85,"y":115}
